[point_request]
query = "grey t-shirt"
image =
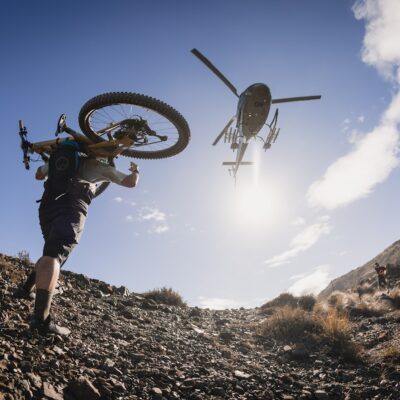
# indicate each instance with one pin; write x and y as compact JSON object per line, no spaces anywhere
{"x":94,"y":171}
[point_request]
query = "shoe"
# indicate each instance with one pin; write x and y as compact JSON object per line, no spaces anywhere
{"x":48,"y":326}
{"x":22,"y":293}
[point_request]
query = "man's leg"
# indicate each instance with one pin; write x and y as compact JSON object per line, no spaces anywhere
{"x":25,"y":289}
{"x":47,"y":273}
{"x":61,"y":227}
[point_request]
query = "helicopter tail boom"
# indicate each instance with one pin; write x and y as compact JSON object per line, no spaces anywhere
{"x":236,"y":163}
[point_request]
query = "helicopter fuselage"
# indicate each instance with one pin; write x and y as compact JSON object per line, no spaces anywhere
{"x":253,"y":109}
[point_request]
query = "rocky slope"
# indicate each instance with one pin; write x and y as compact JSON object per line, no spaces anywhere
{"x":366,"y":272}
{"x":124,"y":346}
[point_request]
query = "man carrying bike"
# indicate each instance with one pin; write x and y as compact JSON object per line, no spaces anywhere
{"x":68,"y":192}
{"x":114,"y":123}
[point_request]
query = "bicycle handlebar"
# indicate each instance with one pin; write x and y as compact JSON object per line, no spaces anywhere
{"x":25,"y":144}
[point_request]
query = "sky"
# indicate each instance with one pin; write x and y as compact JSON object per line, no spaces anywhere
{"x":321,"y":202}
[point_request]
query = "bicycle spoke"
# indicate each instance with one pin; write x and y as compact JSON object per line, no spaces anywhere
{"x":102,"y":118}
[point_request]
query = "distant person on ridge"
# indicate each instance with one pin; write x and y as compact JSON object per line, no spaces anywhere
{"x":381,"y":272}
{"x":68,"y":191}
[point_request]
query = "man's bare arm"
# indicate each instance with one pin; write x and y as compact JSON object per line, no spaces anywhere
{"x":131,"y":180}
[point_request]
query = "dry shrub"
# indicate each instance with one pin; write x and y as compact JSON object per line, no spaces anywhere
{"x":395,"y":297}
{"x":365,"y":288}
{"x":321,"y":308}
{"x":368,"y":309}
{"x":165,"y":296}
{"x":391,"y":353}
{"x":393,"y":271}
{"x":291,"y":325}
{"x":24,"y":257}
{"x":341,"y":301}
{"x":307,"y":302}
{"x":284,"y":299}
{"x":337,"y":334}
{"x":321,"y":327}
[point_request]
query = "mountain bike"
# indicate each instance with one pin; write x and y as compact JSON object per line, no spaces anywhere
{"x":118,"y":123}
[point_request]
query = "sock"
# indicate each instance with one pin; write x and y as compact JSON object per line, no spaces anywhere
{"x":42,"y":304}
{"x":30,"y":282}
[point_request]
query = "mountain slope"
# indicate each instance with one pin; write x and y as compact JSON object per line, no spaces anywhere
{"x":124,"y":346}
{"x":351,"y":280}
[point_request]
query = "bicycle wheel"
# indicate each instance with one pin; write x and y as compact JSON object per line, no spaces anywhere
{"x":158,"y":130}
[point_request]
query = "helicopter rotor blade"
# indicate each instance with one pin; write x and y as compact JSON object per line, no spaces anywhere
{"x":208,"y":63}
{"x":288,"y":99}
{"x":223,"y":131}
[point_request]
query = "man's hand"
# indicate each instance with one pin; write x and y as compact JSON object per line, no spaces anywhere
{"x":39,"y":174}
{"x":131,"y":180}
{"x":134,"y":167}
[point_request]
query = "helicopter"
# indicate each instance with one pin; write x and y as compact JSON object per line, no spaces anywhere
{"x":251,"y":115}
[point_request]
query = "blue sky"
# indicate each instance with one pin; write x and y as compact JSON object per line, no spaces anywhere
{"x":302,"y":215}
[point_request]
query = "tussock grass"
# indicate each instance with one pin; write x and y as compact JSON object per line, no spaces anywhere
{"x":337,"y":334}
{"x":320,"y":327}
{"x":395,"y":298}
{"x":284,"y":299}
{"x":291,"y":325}
{"x":368,"y":309}
{"x":341,"y":301}
{"x":391,"y":353}
{"x":371,"y":305}
{"x":165,"y":296}
{"x":307,"y":302}
{"x":24,"y":257}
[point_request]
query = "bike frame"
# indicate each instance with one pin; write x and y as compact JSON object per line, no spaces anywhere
{"x":111,"y":148}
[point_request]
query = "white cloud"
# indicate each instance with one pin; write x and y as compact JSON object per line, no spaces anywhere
{"x":361,"y":119}
{"x":346,"y":121}
{"x":381,"y":41}
{"x":118,"y":199}
{"x":129,"y":218}
{"x":295,"y":277}
{"x":159,"y":228}
{"x":307,"y":238}
{"x":298,"y":221}
{"x":373,"y":155}
{"x":157,"y":217}
{"x":355,"y":136}
{"x":312,"y":283}
{"x":150,"y":213}
{"x":217,"y":303}
{"x":354,"y":175}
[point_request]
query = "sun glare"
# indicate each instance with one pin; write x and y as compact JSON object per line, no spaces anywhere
{"x":257,"y":201}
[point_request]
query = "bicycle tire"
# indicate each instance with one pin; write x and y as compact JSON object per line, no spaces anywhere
{"x":158,"y":106}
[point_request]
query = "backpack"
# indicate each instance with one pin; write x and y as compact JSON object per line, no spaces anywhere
{"x":63,"y":166}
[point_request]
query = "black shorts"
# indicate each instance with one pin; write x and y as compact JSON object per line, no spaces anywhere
{"x":381,"y":280}
{"x":62,"y":224}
